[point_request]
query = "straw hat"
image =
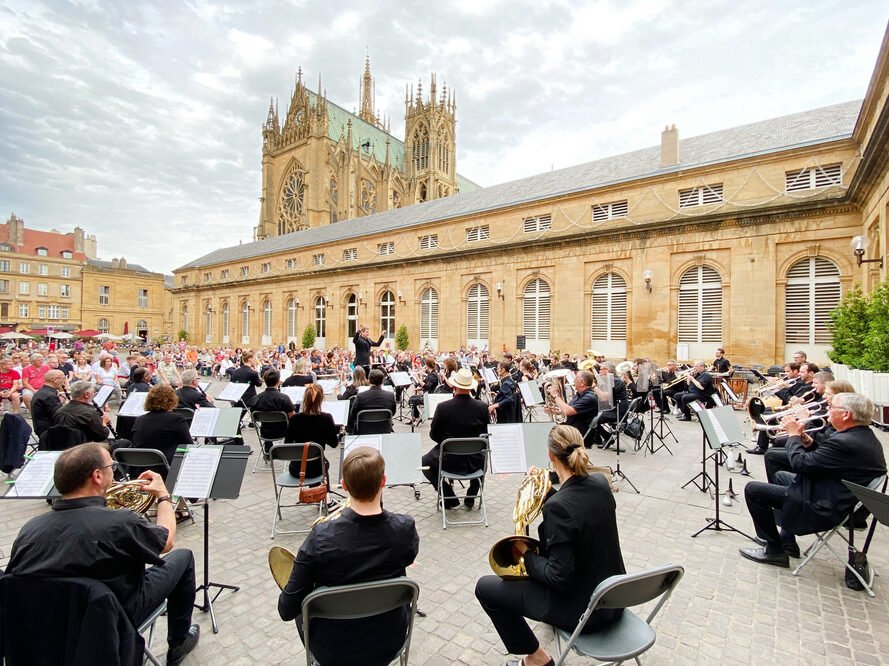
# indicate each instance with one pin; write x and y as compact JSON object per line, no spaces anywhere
{"x":463,"y":379}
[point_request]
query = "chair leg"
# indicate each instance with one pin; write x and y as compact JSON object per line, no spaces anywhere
{"x":811,"y":551}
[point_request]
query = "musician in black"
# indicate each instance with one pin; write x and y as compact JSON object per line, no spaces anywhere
{"x":721,"y":364}
{"x":191,"y":395}
{"x":620,"y":401}
{"x":506,"y":404}
{"x":299,"y":376}
{"x":816,"y":393}
{"x":246,"y":374}
{"x":430,"y":384}
{"x":579,"y":548}
{"x":700,"y":387}
{"x":667,"y":376}
{"x":363,"y":344}
{"x":81,"y":413}
{"x":272,"y":400}
{"x":584,"y":406}
{"x":139,"y":382}
{"x":46,"y":401}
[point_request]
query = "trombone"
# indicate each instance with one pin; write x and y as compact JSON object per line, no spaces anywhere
{"x":774,"y":387}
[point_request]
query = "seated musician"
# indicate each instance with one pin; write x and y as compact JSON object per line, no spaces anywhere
{"x":140,"y":381}
{"x":364,"y":543}
{"x":272,"y":400}
{"x":376,"y":397}
{"x":527,"y":369}
{"x":81,"y":538}
{"x":461,"y":416}
{"x":300,"y":376}
{"x":667,"y":376}
{"x":358,"y":379}
{"x":584,"y":406}
{"x":817,"y":393}
{"x":811,"y":497}
{"x":80,"y":413}
{"x":620,"y":400}
{"x":47,"y":401}
{"x":160,"y":427}
{"x":246,"y":374}
{"x":579,"y":548}
{"x":191,"y":395}
{"x":700,"y":387}
{"x":506,"y":404}
{"x":448,"y":368}
{"x":311,"y":424}
{"x":430,"y":384}
{"x":722,"y":367}
{"x":791,"y":376}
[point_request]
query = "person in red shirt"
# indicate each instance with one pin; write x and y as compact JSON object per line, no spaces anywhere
{"x":10,"y":384}
{"x":33,"y":377}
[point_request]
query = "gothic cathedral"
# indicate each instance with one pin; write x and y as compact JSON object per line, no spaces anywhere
{"x":325,"y":165}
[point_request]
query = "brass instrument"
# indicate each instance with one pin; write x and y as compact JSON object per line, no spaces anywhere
{"x":681,"y":376}
{"x":777,"y":416}
{"x":774,"y":387}
{"x":128,"y":495}
{"x":774,"y":431}
{"x":529,"y":503}
{"x":281,"y":564}
{"x":588,"y":364}
{"x":626,"y":371}
{"x":555,"y":378}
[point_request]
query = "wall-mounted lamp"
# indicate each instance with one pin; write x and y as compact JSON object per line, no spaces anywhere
{"x":499,"y":288}
{"x":361,"y":298}
{"x":296,"y":303}
{"x":400,"y":297}
{"x":859,"y":245}
{"x":647,"y":275}
{"x":327,"y":303}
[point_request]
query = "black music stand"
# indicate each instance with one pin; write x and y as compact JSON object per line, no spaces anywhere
{"x":657,"y":429}
{"x":226,"y":485}
{"x":617,"y":428}
{"x":716,"y":439}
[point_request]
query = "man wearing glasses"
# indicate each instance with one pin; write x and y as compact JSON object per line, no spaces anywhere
{"x":81,"y":538}
{"x":812,"y":497}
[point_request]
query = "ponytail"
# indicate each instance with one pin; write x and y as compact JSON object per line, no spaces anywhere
{"x":566,"y":443}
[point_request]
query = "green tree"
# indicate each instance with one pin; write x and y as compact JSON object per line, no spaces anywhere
{"x":401,"y":338}
{"x":182,"y":334}
{"x":849,"y":327}
{"x":875,"y":355}
{"x":309,"y":337}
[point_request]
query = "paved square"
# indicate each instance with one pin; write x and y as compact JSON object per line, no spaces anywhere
{"x":726,"y":610}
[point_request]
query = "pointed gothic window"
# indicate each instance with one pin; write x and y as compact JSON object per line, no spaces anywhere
{"x":421,"y":148}
{"x":444,"y":155}
{"x":291,"y":207}
{"x":368,"y":197}
{"x":334,"y":201}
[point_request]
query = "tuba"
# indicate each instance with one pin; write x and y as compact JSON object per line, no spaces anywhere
{"x":128,"y":495}
{"x":557,"y":377}
{"x":531,"y":494}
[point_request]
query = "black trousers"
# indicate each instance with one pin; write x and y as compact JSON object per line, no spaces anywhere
{"x":415,"y":401}
{"x":763,"y":500}
{"x":432,"y":461}
{"x":509,"y":602}
{"x":173,"y":581}
{"x":776,"y":460}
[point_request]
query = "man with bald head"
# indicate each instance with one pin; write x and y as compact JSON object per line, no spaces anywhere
{"x":46,"y":401}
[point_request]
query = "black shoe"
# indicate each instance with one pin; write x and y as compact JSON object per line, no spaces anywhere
{"x":177,"y":653}
{"x":683,"y":418}
{"x":763,"y":557}
{"x":451,"y":502}
{"x":472,"y":493}
{"x":760,"y":541}
{"x":521,"y":662}
{"x":792,"y":550}
{"x":756,"y":451}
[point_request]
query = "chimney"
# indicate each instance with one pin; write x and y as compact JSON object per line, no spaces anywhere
{"x":670,"y":146}
{"x":123,"y":264}
{"x":90,"y":247}
{"x":78,"y":239}
{"x":115,"y":263}
{"x":16,"y":232}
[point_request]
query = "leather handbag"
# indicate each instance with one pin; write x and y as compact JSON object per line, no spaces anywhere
{"x":309,"y":495}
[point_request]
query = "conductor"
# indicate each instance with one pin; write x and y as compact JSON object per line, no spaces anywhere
{"x":363,"y":343}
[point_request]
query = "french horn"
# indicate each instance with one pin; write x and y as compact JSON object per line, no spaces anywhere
{"x":529,"y":503}
{"x":128,"y":495}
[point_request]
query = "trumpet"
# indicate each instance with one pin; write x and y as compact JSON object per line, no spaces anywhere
{"x":777,"y":416}
{"x":774,"y":431}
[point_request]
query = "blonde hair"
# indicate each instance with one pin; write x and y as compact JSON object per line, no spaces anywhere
{"x":566,"y":443}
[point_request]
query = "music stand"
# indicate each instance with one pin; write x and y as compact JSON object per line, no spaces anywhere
{"x":401,"y":379}
{"x":226,"y":485}
{"x":720,"y":428}
{"x":530,"y":395}
{"x":618,"y":472}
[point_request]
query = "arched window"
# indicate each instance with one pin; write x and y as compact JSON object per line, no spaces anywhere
{"x":226,"y":321}
{"x":368,"y":201}
{"x":208,"y":323}
{"x":536,"y":310}
{"x":142,"y":329}
{"x":387,"y":313}
{"x":103,"y":326}
{"x":812,"y":291}
{"x":428,"y":315}
{"x":320,"y":317}
{"x":477,"y":315}
{"x":608,"y":309}
{"x":421,"y":148}
{"x":334,"y":201}
{"x":183,"y":317}
{"x":267,"y":320}
{"x":245,"y":322}
{"x":291,"y":317}
{"x":351,"y":316}
{"x":700,"y":306}
{"x":291,"y":205}
{"x":444,"y":157}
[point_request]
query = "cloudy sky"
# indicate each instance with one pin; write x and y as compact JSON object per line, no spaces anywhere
{"x":140,"y":121}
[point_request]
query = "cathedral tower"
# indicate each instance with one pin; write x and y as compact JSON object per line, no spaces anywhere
{"x":430,"y":143}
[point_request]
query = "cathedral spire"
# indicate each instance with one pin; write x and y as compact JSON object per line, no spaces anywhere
{"x":366,"y":110}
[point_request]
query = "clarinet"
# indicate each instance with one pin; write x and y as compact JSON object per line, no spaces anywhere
{"x":102,"y":414}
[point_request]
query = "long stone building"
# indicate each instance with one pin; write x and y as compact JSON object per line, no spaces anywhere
{"x":739,"y":238}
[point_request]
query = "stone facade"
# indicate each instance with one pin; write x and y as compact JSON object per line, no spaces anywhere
{"x":123,"y":298}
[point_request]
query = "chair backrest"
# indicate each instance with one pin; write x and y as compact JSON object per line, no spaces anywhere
{"x":373,"y":422}
{"x":270,"y":425}
{"x":59,"y":438}
{"x":461,"y":448}
{"x":288,"y":452}
{"x":141,"y":457}
{"x":187,"y":412}
{"x":360,"y":600}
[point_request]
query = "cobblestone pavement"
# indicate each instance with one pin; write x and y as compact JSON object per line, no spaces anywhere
{"x":726,"y":610}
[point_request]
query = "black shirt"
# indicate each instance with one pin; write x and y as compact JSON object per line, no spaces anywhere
{"x":191,"y":397}
{"x":298,"y":380}
{"x":44,"y":405}
{"x":161,"y":430}
{"x":272,"y":400}
{"x":81,"y":538}
{"x":586,"y":405}
{"x":83,"y":417}
{"x":247,"y":375}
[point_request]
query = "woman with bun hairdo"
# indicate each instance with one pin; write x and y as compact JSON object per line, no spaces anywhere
{"x":579,"y":548}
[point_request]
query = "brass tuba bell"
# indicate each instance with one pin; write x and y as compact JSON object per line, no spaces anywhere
{"x":281,"y":564}
{"x":529,"y":503}
{"x":128,"y":495}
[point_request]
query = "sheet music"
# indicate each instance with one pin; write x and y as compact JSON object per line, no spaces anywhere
{"x":530,"y":392}
{"x":643,"y":374}
{"x":354,"y":441}
{"x":36,"y":478}
{"x":507,"y":442}
{"x":102,"y":395}
{"x":606,"y":383}
{"x":198,"y":471}
{"x":134,"y":405}
{"x":431,"y":401}
{"x":717,"y":427}
{"x":489,"y":376}
{"x":400,"y":378}
{"x":295,"y":393}
{"x":328,"y":385}
{"x":232,"y":393}
{"x":204,"y":422}
{"x":285,"y":374}
{"x":338,"y":409}
{"x":362,"y":389}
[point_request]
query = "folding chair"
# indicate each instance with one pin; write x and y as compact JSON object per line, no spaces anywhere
{"x":148,"y":625}
{"x":142,"y":458}
{"x":286,"y":453}
{"x":373,"y":422}
{"x":455,"y":449}
{"x":60,"y":438}
{"x":361,"y":600}
{"x":632,"y":412}
{"x":822,"y":539}
{"x":187,"y":412}
{"x":630,"y":635}
{"x":271,"y":428}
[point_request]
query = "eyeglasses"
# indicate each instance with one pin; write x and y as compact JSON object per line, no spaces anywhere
{"x":842,"y":409}
{"x":114,"y":467}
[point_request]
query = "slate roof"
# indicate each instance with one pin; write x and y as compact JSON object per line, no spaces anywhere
{"x":813,"y":127}
{"x":99,"y":263}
